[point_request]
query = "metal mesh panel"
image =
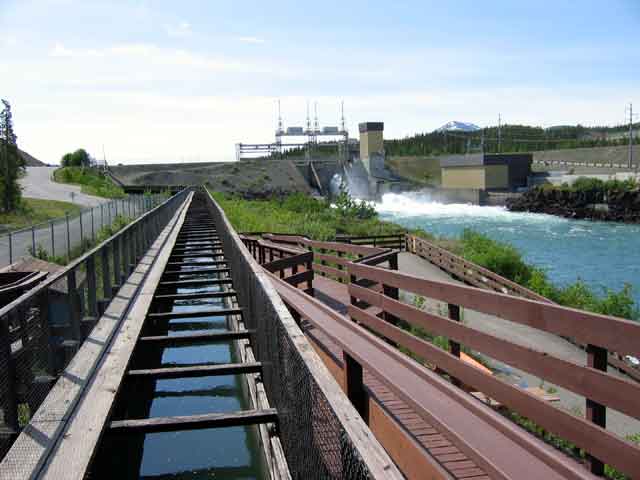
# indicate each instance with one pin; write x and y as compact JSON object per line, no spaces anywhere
{"x":42,"y":330}
{"x":315,"y":442}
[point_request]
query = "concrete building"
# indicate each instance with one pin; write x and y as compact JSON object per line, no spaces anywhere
{"x":372,"y":146}
{"x":486,"y":172}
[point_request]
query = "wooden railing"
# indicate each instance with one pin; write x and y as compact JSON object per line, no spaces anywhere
{"x":466,"y":271}
{"x":291,"y":264}
{"x":395,"y":240}
{"x":600,"y":333}
{"x":330,"y":258}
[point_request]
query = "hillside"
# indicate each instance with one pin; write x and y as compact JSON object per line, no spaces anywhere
{"x":29,"y":160}
{"x":249,"y":178}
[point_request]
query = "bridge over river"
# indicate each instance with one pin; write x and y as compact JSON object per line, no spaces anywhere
{"x":179,"y":348}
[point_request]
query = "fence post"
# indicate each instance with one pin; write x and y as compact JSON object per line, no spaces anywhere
{"x":53,"y":240}
{"x":33,"y":240}
{"x":101,"y":215}
{"x":354,"y":385}
{"x":93,"y":227}
{"x":10,"y":249}
{"x":81,"y":231}
{"x":68,"y":237}
{"x":596,"y":412}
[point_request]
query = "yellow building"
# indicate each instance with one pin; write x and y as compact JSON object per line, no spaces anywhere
{"x":486,"y":172}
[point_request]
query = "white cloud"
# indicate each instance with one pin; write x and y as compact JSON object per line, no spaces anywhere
{"x":180,"y":30}
{"x":255,"y":40}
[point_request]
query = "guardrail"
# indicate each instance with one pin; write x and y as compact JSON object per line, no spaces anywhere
{"x":59,"y":236}
{"x":600,"y":333}
{"x":562,"y":163}
{"x":42,"y":329}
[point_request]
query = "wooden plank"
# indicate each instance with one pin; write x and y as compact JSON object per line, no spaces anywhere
{"x":331,"y":258}
{"x":195,"y":272}
{"x":198,"y":370}
{"x":288,"y":262}
{"x":601,"y":443}
{"x":196,"y":337}
{"x":196,"y":282}
{"x":194,"y":422}
{"x":612,"y":333}
{"x":194,"y":296}
{"x":330,"y":271}
{"x":612,"y":391}
{"x":218,"y":312}
{"x":299,"y":278}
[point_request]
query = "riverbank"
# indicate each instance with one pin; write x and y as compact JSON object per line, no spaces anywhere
{"x":300,"y":214}
{"x":587,"y":198}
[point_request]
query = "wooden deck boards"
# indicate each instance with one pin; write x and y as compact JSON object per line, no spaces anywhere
{"x":336,"y":296}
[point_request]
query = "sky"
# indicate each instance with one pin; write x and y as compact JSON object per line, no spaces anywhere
{"x":165,"y":81}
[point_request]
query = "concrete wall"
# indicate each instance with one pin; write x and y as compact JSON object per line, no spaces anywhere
{"x":481,"y":177}
{"x":463,"y":177}
{"x":371,"y":148}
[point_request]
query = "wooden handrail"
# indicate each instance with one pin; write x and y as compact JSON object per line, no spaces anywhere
{"x":599,"y":332}
{"x":468,"y":271}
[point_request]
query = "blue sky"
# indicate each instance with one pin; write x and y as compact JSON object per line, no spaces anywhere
{"x":185,"y":81}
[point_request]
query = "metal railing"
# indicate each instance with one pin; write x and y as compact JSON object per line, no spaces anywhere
{"x":42,"y":329}
{"x":58,"y":237}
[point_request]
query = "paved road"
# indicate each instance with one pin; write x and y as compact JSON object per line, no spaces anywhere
{"x":522,"y":335}
{"x":37,"y":183}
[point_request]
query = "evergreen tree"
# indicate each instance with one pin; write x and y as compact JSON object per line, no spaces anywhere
{"x":11,"y":162}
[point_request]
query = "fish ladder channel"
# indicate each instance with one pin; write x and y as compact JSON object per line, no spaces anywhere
{"x":184,"y":410}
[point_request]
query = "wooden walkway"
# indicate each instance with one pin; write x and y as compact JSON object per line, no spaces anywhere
{"x":436,"y":446}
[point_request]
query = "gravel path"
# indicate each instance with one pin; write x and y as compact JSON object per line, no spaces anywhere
{"x":522,"y":335}
{"x":38,"y":183}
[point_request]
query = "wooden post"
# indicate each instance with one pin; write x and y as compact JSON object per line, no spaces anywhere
{"x":596,"y":412}
{"x":45,"y":328}
{"x":106,"y":274}
{"x":354,"y":385}
{"x":92,"y":286}
{"x":74,"y":307}
{"x":117,"y":275}
{"x":454,"y":347}
{"x":322,"y":262}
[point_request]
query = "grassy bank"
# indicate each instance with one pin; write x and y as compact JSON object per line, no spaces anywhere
{"x":90,"y":180}
{"x":304,"y":215}
{"x":33,"y":210}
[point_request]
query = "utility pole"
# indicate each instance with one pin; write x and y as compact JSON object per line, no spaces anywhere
{"x":499,"y":133}
{"x":630,"y":135}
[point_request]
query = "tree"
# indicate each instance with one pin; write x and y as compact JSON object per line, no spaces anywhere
{"x":11,"y":162}
{"x":79,"y":158}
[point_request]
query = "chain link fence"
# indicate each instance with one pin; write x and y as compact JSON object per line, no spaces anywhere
{"x":41,"y":331}
{"x":57,"y":238}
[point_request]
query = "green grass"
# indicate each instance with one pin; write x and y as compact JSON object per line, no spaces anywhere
{"x":302,"y":215}
{"x":33,"y":211}
{"x":92,"y":182}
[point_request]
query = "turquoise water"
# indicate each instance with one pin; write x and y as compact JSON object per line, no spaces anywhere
{"x":603,"y":255}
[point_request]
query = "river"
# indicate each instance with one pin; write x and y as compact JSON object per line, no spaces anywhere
{"x":603,"y":255}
